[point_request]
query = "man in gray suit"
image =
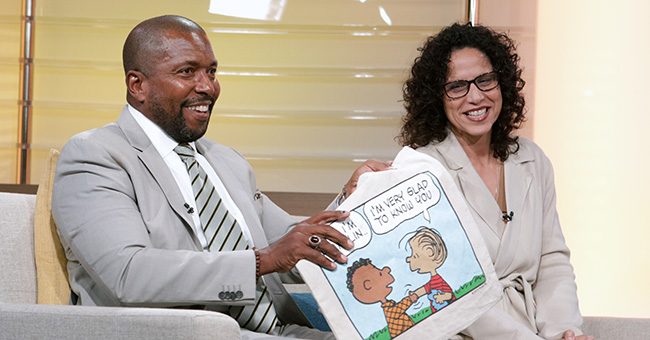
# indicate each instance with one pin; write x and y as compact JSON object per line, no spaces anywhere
{"x":132,"y":223}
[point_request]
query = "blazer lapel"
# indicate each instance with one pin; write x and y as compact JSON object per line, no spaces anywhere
{"x":156,"y":166}
{"x":518,"y":178}
{"x":474,"y":190}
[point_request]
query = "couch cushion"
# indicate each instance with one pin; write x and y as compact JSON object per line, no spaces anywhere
{"x":17,"y":270}
{"x":602,"y":327}
{"x":51,"y":273}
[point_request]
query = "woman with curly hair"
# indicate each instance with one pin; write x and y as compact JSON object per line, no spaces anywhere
{"x":463,"y":103}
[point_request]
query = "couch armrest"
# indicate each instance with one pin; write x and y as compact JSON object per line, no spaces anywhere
{"x":32,"y":321}
{"x":602,"y":327}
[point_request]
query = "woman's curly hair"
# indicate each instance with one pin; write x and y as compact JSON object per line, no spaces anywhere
{"x":425,"y":120}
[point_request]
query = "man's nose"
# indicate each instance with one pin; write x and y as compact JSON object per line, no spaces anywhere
{"x":205,"y":83}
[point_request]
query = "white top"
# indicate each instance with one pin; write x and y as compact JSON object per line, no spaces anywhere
{"x":165,"y":146}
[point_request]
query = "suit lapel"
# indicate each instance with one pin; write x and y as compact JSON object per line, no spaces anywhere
{"x":241,"y":196}
{"x":156,"y":167}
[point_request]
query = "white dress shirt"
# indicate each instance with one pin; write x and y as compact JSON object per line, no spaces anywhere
{"x":165,"y":146}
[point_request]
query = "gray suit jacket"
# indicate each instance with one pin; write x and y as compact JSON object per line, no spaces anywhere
{"x":128,"y":237}
{"x":529,"y":254}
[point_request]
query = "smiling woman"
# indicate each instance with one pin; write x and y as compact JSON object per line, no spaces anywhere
{"x":472,"y":115}
{"x":463,"y":104}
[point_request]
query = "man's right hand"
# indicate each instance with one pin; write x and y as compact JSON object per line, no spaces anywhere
{"x":283,"y":255}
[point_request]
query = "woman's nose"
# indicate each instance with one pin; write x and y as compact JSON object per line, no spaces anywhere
{"x":474,"y":93}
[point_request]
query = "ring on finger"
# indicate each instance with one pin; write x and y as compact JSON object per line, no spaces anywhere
{"x":315,"y":241}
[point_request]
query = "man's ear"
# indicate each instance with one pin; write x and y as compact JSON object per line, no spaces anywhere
{"x":136,"y":85}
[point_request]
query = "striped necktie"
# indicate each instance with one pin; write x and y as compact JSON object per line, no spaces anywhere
{"x":223,"y":233}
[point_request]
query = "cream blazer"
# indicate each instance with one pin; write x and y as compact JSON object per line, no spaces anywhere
{"x":128,"y":237}
{"x":529,"y":253}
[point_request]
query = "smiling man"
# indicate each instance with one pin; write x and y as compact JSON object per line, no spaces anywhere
{"x":152,"y":214}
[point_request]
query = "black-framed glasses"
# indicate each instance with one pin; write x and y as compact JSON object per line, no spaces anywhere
{"x":459,"y":88}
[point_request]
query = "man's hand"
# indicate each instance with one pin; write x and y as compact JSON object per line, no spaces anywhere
{"x":283,"y":255}
{"x":367,"y":166}
{"x":570,"y":335}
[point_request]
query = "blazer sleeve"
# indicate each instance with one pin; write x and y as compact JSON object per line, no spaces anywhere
{"x":111,"y":257}
{"x":555,"y":288}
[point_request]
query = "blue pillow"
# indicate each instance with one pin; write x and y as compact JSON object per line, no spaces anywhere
{"x":309,"y":307}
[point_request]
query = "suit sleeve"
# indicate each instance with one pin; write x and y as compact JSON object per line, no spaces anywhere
{"x":555,"y":288}
{"x":112,"y":260}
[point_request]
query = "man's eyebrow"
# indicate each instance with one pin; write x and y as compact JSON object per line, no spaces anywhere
{"x":195,"y":62}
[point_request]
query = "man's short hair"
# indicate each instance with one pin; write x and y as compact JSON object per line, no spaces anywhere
{"x":147,"y":37}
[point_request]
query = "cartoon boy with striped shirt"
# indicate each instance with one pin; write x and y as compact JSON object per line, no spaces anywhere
{"x":428,"y":253}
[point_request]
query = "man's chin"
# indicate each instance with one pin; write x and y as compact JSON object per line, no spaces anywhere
{"x":187,"y":136}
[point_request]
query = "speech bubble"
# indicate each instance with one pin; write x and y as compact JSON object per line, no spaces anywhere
{"x":356,"y":229}
{"x":402,"y":202}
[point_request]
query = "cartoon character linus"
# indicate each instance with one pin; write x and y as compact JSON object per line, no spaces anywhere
{"x":428,"y":253}
{"x":370,"y":284}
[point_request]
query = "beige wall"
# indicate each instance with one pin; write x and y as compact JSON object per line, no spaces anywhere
{"x":592,"y":118}
{"x":519,"y":20}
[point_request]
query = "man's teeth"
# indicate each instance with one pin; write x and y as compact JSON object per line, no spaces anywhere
{"x":477,"y":112}
{"x":200,"y":108}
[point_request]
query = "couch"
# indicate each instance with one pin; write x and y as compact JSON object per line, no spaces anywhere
{"x":34,"y":290}
{"x":21,"y":317}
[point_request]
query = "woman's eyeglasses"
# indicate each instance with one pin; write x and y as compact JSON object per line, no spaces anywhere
{"x":459,"y":88}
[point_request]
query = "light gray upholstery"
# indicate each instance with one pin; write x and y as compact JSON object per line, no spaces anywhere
{"x":31,"y":321}
{"x":22,"y":318}
{"x":617,"y":328}
{"x":17,"y":268}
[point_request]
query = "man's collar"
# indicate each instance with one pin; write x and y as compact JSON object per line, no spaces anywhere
{"x":158,"y":137}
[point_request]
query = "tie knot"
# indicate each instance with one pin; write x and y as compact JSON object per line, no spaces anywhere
{"x":185,"y":151}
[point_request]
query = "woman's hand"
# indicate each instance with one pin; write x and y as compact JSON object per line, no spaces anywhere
{"x":570,"y":335}
{"x":367,"y":166}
